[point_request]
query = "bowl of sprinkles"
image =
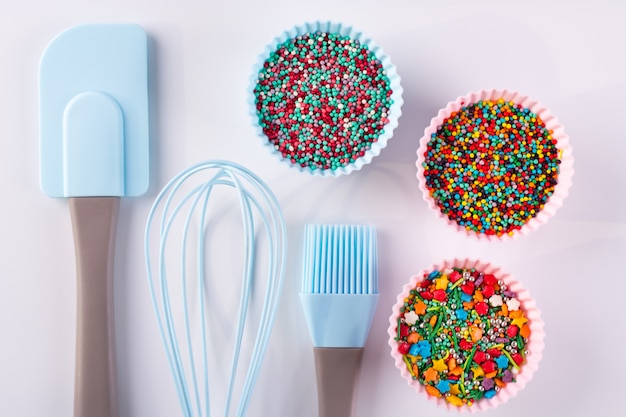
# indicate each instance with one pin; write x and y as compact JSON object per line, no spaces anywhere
{"x":494,"y":164}
{"x":325,"y":99}
{"x":466,"y":334}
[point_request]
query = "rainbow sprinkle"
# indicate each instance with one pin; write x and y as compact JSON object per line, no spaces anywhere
{"x":322,"y":99}
{"x":462,"y":334}
{"x":491,"y":166}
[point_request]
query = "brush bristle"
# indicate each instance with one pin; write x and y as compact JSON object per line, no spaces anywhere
{"x":340,"y":259}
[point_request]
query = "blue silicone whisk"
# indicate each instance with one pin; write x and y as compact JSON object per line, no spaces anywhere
{"x":178,"y":236}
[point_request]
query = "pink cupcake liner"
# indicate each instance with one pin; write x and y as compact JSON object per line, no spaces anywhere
{"x":566,"y":168}
{"x":535,"y":344}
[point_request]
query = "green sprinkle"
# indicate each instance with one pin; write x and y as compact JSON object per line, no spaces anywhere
{"x":456,"y":284}
{"x":399,"y":324}
{"x":469,"y":358}
{"x":409,"y":366}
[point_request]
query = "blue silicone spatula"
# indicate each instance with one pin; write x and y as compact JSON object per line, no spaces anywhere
{"x":93,"y":99}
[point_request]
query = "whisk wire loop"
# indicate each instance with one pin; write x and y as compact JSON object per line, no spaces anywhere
{"x":253,"y":196}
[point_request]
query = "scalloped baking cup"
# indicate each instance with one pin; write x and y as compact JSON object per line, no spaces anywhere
{"x":391,"y":72}
{"x":535,"y":341}
{"x":566,"y":167}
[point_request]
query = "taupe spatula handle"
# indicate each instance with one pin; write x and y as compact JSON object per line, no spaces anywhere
{"x":337,"y":373}
{"x":94,"y":221}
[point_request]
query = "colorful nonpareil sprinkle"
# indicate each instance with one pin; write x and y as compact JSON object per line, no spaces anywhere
{"x":322,"y":99}
{"x":469,"y":342}
{"x":491,"y":166}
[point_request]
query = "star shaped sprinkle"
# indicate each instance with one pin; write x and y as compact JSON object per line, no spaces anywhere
{"x":502,"y":361}
{"x":519,"y":321}
{"x":443,"y":386}
{"x":439,"y":365}
{"x":454,"y":400}
{"x":441,"y":283}
{"x":507,"y":376}
{"x":478,"y":372}
{"x":488,"y":384}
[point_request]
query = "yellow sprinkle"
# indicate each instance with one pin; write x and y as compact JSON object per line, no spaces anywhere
{"x":454,"y":400}
{"x":439,"y":365}
{"x":441,"y":283}
{"x":409,"y":366}
{"x":478,"y":371}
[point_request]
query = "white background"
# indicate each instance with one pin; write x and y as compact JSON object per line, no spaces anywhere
{"x":569,"y":55}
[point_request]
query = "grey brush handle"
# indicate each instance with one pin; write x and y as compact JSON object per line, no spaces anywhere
{"x":94,"y":221}
{"x":337,"y":373}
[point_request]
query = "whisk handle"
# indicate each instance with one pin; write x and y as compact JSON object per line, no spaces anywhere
{"x":337,"y":373}
{"x":94,"y":221}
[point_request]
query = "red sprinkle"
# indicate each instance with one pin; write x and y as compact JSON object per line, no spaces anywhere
{"x":512,"y":330}
{"x":480,"y":357}
{"x":517,"y":358}
{"x":488,"y":291}
{"x":427,"y":295}
{"x":489,"y":279}
{"x":494,"y":353}
{"x":488,"y":366}
{"x":468,"y":288}
{"x":404,"y":330}
{"x":482,"y":308}
{"x":465,"y":344}
{"x":440,"y":295}
{"x":454,"y":276}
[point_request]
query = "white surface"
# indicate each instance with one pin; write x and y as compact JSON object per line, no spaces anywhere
{"x":569,"y":55}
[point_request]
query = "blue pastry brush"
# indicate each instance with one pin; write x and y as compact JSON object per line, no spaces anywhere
{"x":339,"y":297}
